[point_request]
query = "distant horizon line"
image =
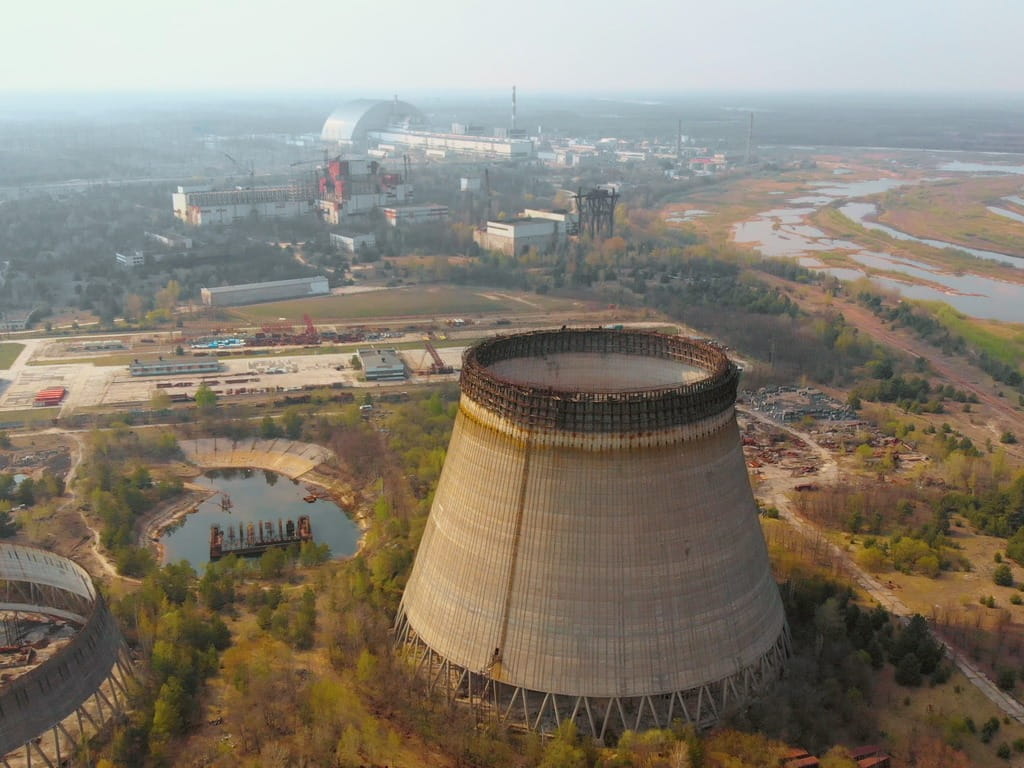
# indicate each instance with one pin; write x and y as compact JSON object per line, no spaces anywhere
{"x":503,"y":93}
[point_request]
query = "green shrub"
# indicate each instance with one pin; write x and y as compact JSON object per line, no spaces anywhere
{"x":1002,"y":575}
{"x":1006,"y":679}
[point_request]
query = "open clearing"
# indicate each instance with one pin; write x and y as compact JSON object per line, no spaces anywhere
{"x":9,"y":351}
{"x":444,"y":301}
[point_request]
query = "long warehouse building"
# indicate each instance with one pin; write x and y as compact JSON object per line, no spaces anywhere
{"x":253,"y":293}
{"x":366,"y":123}
{"x":203,"y":206}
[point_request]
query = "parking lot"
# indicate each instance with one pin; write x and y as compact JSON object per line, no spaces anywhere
{"x":112,"y":386}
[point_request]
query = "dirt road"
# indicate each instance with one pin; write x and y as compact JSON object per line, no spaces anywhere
{"x":777,"y":490}
{"x":97,"y":563}
{"x":957,"y":371}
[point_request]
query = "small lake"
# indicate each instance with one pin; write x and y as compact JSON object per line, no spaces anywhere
{"x":256,"y":495}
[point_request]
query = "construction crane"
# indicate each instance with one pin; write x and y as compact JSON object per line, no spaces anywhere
{"x":311,"y":333}
{"x":438,"y":366}
{"x":251,"y":172}
{"x":325,"y":161}
{"x":487,"y":187}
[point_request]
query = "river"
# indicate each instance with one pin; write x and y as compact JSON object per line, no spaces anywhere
{"x":782,"y":233}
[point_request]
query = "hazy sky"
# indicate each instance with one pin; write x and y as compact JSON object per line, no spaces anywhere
{"x":541,"y":45}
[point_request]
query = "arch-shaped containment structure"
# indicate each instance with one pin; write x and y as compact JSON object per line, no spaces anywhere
{"x":350,"y":122}
{"x":593,"y":551}
{"x":85,"y":678}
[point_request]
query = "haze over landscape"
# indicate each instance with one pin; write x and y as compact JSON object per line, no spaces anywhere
{"x":530,"y":385}
{"x":945,"y":46}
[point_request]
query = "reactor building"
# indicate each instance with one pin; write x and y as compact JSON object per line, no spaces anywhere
{"x":392,"y":127}
{"x":593,"y":551}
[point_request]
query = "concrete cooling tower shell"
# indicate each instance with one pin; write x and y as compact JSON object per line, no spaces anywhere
{"x":48,"y":708}
{"x":593,"y":550}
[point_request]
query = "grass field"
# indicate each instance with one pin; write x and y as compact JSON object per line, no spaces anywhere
{"x":419,"y":301}
{"x":1001,"y":341}
{"x":29,"y":415}
{"x":835,"y":224}
{"x":955,"y":211}
{"x":909,"y":715}
{"x":9,"y":351}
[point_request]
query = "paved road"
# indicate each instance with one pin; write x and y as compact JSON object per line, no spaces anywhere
{"x":12,"y":373}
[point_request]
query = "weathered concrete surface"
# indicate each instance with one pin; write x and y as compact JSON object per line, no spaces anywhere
{"x":288,"y":457}
{"x":601,"y":563}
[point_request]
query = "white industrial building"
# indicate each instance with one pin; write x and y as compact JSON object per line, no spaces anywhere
{"x":535,"y":228}
{"x":170,"y":239}
{"x":15,"y":321}
{"x":383,"y":365}
{"x":130,"y":258}
{"x":172,"y":367}
{"x":415,"y":214}
{"x":481,"y":146}
{"x":397,"y":125}
{"x":351,"y":243}
{"x":252,"y":293}
{"x":203,"y":206}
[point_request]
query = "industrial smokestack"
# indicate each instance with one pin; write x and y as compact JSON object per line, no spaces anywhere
{"x":593,"y":551}
{"x":750,"y":137}
{"x":513,"y":107}
{"x":679,"y":141}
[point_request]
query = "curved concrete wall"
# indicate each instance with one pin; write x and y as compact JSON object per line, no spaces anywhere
{"x":37,"y":701}
{"x":37,"y":581}
{"x":595,"y":564}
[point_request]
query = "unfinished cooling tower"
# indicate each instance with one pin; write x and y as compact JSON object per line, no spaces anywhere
{"x":593,"y":551}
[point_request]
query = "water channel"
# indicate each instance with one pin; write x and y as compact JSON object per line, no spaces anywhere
{"x":780,"y":232}
{"x":255,"y":495}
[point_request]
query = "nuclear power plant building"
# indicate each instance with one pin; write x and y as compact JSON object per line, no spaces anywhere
{"x":593,"y":551}
{"x":397,"y":125}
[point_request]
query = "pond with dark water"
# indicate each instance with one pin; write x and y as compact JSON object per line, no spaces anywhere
{"x":256,"y":495}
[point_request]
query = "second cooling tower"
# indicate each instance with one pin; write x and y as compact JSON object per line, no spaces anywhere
{"x":593,"y":551}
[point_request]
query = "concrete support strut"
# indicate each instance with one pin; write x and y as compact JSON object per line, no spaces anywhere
{"x":597,"y":717}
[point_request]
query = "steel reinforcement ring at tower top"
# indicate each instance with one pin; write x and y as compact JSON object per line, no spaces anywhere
{"x":593,"y":550}
{"x":49,"y":710}
{"x":575,"y":409}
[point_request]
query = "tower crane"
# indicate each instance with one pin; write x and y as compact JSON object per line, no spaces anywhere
{"x":251,"y":172}
{"x":325,"y":161}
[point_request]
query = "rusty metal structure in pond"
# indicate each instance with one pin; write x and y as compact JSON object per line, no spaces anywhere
{"x":593,"y":552}
{"x":65,"y":667}
{"x":253,"y":539}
